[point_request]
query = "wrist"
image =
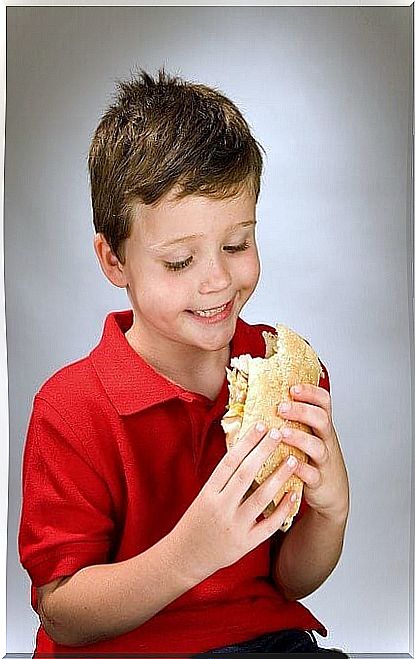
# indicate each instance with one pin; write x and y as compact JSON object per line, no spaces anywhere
{"x":179,"y":562}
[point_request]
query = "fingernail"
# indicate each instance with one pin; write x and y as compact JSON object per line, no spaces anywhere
{"x":260,"y":427}
{"x":275,"y":433}
{"x":293,"y":497}
{"x":286,"y":432}
{"x":296,"y":389}
{"x":284,"y":407}
{"x":291,"y":461}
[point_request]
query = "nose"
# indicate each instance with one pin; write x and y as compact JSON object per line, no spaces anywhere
{"x":217,"y":276}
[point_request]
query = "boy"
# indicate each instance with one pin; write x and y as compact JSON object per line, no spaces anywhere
{"x":132,"y":530}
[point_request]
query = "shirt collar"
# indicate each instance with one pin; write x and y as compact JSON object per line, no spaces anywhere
{"x":130,"y":382}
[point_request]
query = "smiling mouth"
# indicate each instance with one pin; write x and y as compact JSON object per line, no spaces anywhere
{"x":211,"y":312}
{"x":214,"y":311}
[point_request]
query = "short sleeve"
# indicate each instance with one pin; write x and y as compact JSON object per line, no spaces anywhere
{"x":67,"y":519}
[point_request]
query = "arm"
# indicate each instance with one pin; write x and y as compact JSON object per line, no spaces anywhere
{"x":310,"y":550}
{"x":308,"y":554}
{"x":103,"y":601}
{"x":68,"y":519}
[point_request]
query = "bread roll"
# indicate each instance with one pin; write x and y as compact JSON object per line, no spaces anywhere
{"x":256,"y":387}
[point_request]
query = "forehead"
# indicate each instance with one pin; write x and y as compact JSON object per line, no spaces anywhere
{"x":195,"y":215}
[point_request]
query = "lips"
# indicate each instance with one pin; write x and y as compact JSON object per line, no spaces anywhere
{"x":213,"y":317}
{"x":213,"y":310}
{"x":216,"y":308}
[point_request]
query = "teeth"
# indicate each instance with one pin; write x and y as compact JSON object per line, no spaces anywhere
{"x":211,"y":312}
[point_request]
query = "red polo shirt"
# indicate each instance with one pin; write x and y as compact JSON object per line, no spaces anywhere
{"x":110,"y":442}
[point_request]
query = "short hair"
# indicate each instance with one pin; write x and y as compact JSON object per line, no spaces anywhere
{"x":163,"y":134}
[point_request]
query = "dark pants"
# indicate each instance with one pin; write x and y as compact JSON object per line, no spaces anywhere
{"x":287,"y":640}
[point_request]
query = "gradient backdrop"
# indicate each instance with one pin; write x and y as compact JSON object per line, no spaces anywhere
{"x":327,"y":91}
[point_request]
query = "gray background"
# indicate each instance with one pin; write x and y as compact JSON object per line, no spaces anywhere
{"x":327,"y":92}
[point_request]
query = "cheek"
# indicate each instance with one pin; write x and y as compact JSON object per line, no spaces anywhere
{"x":169,"y":293}
{"x":251,"y":270}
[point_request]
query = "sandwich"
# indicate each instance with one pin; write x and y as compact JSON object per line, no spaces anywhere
{"x":256,"y":387}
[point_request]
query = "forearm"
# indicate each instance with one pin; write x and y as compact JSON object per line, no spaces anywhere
{"x":104,"y":601}
{"x":308,"y":554}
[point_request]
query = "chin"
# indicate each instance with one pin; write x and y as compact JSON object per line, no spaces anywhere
{"x":218,"y":340}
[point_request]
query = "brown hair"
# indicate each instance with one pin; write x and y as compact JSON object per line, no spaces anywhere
{"x":164,"y":134}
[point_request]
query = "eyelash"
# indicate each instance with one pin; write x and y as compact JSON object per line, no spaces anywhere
{"x":181,"y":265}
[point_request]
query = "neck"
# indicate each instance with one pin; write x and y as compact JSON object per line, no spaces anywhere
{"x":189,"y":368}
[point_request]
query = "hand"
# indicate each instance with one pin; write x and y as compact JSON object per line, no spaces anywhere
{"x":326,"y":488}
{"x":219,"y":527}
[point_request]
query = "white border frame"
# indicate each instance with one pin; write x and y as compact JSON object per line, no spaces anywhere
{"x":4,"y":410}
{"x":4,"y":401}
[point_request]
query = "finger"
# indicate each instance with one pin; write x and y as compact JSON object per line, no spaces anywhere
{"x":314,"y":447}
{"x":311,"y":415}
{"x":265,"y":528}
{"x":309,"y":393}
{"x":234,"y":456}
{"x":311,"y":476}
{"x":264,"y":494}
{"x":243,"y":476}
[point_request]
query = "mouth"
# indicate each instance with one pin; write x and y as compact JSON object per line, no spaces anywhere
{"x":214,"y":312}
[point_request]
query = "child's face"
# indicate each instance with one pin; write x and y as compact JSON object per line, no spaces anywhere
{"x":167,"y":283}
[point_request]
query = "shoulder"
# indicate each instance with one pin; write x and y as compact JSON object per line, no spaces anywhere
{"x":66,"y":384}
{"x":72,"y":419}
{"x":75,"y":394}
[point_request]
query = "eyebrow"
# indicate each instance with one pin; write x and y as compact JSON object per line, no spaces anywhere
{"x":184,"y":239}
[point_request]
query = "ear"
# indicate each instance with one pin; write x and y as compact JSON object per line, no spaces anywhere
{"x":110,"y":265}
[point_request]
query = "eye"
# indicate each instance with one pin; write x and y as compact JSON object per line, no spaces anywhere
{"x":176,"y":266}
{"x":239,"y":248}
